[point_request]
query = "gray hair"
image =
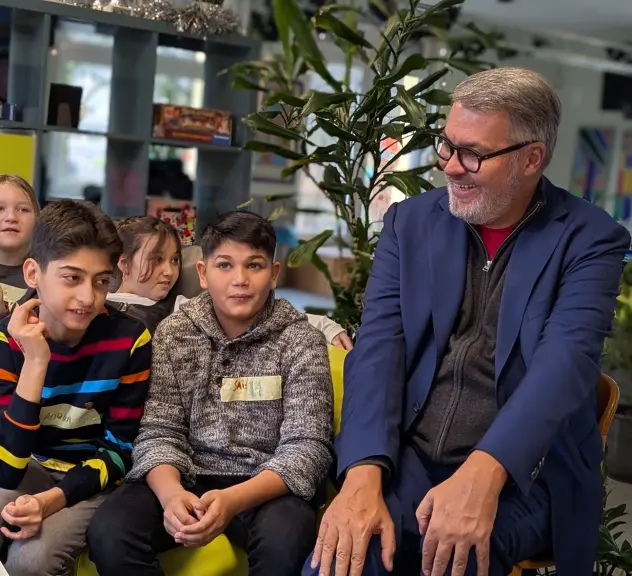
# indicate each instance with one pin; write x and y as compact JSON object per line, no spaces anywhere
{"x":533,"y":107}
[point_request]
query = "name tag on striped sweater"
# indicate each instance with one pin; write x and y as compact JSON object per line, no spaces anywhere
{"x":251,"y":389}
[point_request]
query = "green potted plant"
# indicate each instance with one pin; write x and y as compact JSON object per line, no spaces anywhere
{"x":360,"y":123}
{"x":617,"y":362}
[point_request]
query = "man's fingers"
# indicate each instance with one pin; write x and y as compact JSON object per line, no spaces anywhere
{"x":441,"y":559}
{"x":318,"y":548}
{"x":358,"y":555}
{"x":343,"y":554}
{"x":482,"y":558}
{"x":330,"y":545}
{"x":424,"y":512}
{"x":387,"y":539}
{"x":459,"y":563}
{"x":428,"y":551}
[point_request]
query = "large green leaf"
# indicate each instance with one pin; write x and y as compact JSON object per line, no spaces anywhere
{"x":258,"y":146}
{"x":437,"y":97}
{"x":466,"y":66}
{"x":284,"y":26}
{"x":408,"y":184}
{"x":393,"y":24}
{"x":412,"y":63}
{"x":427,"y":82}
{"x":338,"y":189}
{"x":336,"y":131}
{"x":319,"y":101}
{"x":242,"y":82}
{"x":284,"y":98}
{"x":312,"y":159}
{"x":393,"y":130}
{"x":414,"y":111}
{"x":327,"y":21}
{"x":306,"y":250}
{"x":440,"y":7}
{"x":258,"y":122}
{"x":294,"y":18}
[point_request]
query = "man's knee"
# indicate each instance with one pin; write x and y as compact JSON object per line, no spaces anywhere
{"x":37,"y":557}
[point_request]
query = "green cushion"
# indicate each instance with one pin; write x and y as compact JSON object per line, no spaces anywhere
{"x":218,"y":558}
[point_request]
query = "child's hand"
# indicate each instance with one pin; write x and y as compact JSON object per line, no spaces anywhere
{"x":25,"y":513}
{"x":343,"y":341}
{"x":220,"y":510}
{"x":29,"y":332}
{"x":182,"y":510}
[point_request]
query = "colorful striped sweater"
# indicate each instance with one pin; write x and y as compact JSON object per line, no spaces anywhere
{"x":89,"y":415}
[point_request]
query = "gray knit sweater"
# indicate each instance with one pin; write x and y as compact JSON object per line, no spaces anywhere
{"x":221,"y":407}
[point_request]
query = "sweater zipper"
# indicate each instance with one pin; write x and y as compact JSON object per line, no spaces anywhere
{"x":489,"y":261}
{"x":458,"y":386}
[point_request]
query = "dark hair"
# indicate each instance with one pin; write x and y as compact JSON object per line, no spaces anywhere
{"x":65,"y":226}
{"x":239,"y":226}
{"x":23,"y":185}
{"x":131,"y":232}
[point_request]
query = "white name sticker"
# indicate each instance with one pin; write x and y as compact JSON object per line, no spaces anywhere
{"x":251,"y":389}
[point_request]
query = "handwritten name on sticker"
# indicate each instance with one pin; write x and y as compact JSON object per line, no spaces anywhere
{"x":251,"y":389}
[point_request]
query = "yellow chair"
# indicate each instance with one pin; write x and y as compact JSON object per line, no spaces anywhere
{"x":220,"y":557}
{"x":607,"y":402}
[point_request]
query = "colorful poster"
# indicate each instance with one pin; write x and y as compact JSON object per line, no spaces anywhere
{"x":593,"y":160}
{"x":623,"y":207}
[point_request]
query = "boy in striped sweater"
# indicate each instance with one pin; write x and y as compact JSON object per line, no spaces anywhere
{"x":73,"y":382}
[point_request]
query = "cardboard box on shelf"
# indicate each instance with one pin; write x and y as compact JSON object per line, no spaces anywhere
{"x":194,"y":124}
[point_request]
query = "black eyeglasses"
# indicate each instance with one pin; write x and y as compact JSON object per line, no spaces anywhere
{"x":470,"y":159}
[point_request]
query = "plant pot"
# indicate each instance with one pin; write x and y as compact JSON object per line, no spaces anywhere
{"x":619,"y":463}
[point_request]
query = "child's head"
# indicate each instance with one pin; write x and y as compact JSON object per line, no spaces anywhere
{"x":238,"y":267}
{"x":18,"y":210}
{"x":73,"y":253}
{"x":150,"y":263}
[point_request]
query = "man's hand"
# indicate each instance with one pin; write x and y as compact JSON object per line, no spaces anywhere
{"x":29,"y":332}
{"x":220,"y":510}
{"x":27,"y":514}
{"x":182,"y":509}
{"x":458,"y":514}
{"x":355,"y":515}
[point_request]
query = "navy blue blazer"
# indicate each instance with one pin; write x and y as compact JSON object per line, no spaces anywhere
{"x":556,"y":310}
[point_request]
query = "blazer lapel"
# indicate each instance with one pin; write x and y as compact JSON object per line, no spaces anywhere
{"x":448,"y":239}
{"x":534,"y":247}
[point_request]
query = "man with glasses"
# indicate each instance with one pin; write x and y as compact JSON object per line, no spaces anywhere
{"x":469,"y":437}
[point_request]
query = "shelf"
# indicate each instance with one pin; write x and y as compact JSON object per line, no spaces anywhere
{"x":202,"y":146}
{"x":9,"y":125}
{"x":229,"y":41}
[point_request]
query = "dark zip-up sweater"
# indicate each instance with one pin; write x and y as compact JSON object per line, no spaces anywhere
{"x":462,"y":402}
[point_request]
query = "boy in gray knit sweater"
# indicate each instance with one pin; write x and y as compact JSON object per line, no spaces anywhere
{"x":236,"y":435}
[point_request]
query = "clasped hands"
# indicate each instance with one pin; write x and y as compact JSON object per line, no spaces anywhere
{"x":193,"y":521}
{"x":453,"y":517}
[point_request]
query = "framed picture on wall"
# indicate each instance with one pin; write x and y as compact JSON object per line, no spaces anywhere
{"x":592,"y":163}
{"x":267,"y":166}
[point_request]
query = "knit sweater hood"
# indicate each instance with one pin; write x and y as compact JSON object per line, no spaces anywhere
{"x":276,"y":316}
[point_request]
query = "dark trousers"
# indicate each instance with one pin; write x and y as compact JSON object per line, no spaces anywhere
{"x":127,"y":533}
{"x":522,"y":528}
